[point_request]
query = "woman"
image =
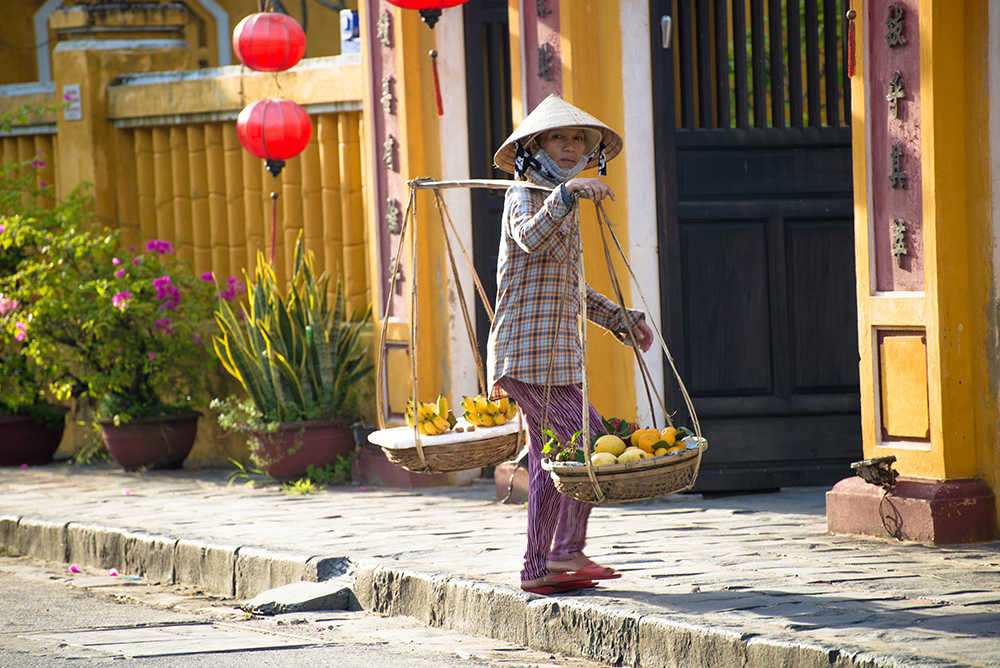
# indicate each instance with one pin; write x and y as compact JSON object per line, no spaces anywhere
{"x":533,"y":343}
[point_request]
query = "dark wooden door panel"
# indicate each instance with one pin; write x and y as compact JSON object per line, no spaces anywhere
{"x":757,"y":243}
{"x":821,"y":290}
{"x":726,"y":313}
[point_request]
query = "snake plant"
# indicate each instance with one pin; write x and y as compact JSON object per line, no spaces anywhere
{"x":297,"y":358}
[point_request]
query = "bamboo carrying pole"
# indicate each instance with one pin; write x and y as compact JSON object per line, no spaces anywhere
{"x":606,"y":230}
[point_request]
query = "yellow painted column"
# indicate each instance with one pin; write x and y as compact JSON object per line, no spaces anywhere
{"x":200,"y":220}
{"x":312,"y":204}
{"x":254,"y":203}
{"x":330,"y":184}
{"x":215,"y":233}
{"x":235,"y":197}
{"x":352,"y":233}
{"x":164,"y":184}
{"x":924,"y":332}
{"x":145,"y":182}
{"x":591,"y":49}
{"x":127,"y":193}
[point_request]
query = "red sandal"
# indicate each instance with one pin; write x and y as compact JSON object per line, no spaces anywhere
{"x":591,"y":571}
{"x":559,"y":583}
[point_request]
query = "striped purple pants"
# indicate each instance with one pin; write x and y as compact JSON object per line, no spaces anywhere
{"x":557,"y":524}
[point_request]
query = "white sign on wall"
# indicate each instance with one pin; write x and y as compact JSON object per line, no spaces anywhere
{"x":74,"y":106}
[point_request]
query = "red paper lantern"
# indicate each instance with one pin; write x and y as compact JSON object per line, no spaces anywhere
{"x":430,"y":10}
{"x":269,"y":42}
{"x":274,"y":130}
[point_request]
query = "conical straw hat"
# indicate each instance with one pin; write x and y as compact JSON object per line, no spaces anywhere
{"x":555,"y":112}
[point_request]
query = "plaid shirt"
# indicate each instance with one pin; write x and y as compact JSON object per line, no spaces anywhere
{"x":536,"y":273}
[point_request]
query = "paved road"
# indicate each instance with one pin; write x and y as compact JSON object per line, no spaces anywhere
{"x":762,"y":564}
{"x":51,"y":618}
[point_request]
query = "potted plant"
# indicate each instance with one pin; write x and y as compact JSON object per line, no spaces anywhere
{"x":299,"y":361}
{"x":31,"y":424}
{"x":125,"y":328}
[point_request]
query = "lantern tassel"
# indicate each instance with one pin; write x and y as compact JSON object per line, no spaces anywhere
{"x":437,"y":83}
{"x":851,"y":56}
{"x":274,"y":224}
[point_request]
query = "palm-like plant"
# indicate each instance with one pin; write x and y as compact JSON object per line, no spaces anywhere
{"x":297,"y":358}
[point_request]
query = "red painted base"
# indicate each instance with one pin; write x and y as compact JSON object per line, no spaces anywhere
{"x":371,"y":469}
{"x":501,"y":478}
{"x":927,"y":511}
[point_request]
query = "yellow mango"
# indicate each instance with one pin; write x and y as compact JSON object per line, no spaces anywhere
{"x":611,"y":444}
{"x":632,"y":455}
{"x":669,"y":435}
{"x":603,"y":459}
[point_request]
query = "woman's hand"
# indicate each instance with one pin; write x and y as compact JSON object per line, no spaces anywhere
{"x":642,"y":333}
{"x":590,"y":188}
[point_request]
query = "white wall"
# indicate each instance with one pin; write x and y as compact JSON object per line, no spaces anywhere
{"x":643,"y":248}
{"x":454,"y":130}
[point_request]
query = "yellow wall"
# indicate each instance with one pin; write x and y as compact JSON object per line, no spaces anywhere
{"x":592,"y":80}
{"x":18,"y":63}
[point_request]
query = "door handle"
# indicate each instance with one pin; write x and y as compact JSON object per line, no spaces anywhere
{"x":666,"y":31}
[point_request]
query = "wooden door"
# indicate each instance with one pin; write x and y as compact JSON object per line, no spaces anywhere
{"x":756,"y":234}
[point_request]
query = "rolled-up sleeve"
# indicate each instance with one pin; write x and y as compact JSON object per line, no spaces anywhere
{"x":609,"y":315}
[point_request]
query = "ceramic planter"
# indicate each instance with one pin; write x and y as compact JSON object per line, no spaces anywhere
{"x":26,"y":441}
{"x":286,"y":453}
{"x":155,"y":442}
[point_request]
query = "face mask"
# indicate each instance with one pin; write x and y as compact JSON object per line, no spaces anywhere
{"x":552,"y":173}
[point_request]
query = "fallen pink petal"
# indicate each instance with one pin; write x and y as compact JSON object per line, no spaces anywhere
{"x":24,"y":467}
{"x":126,"y":492}
{"x":113,"y":572}
{"x":73,"y":568}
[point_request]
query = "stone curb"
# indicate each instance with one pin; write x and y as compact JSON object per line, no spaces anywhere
{"x":567,"y":625}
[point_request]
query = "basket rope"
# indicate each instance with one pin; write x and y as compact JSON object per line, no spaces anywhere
{"x":410,"y":224}
{"x":656,"y":330}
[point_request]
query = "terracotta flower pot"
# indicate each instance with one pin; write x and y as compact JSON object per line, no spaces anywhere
{"x":23,"y":440}
{"x":286,"y":453}
{"x":155,"y":442}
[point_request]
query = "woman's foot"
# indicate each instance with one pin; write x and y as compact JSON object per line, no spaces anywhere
{"x":582,"y":567}
{"x":556,"y":583}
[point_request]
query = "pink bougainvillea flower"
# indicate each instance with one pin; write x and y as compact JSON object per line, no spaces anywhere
{"x":42,"y":184}
{"x":159,"y":246}
{"x":73,"y":568}
{"x":3,"y":228}
{"x":167,"y":292}
{"x":163,"y":324}
{"x":126,"y":491}
{"x":120,"y":273}
{"x":7,"y":305}
{"x":37,"y":164}
{"x":236,"y":287}
{"x":208,"y":276}
{"x":137,"y":260}
{"x":120,"y":301}
{"x":115,"y":261}
{"x":152,"y":356}
{"x":24,"y":467}
{"x":20,"y":330}
{"x":113,"y":572}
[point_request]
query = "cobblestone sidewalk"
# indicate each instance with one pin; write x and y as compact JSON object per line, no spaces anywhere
{"x":750,"y":566}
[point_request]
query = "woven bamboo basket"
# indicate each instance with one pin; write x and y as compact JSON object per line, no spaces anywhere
{"x":647,"y":478}
{"x":624,"y":483}
{"x":451,"y":451}
{"x":473,"y":447}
